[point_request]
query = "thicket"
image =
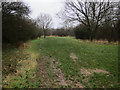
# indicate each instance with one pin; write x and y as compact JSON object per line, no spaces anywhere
{"x":16,"y":24}
{"x":105,"y":32}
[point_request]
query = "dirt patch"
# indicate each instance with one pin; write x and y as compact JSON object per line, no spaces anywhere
{"x":61,"y":77}
{"x":102,"y":42}
{"x":23,"y":45}
{"x":43,"y":73}
{"x":88,"y":72}
{"x":73,"y":56}
{"x":58,"y":73}
{"x":53,"y":82}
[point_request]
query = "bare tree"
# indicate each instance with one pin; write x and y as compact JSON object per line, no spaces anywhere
{"x":91,"y":14}
{"x":44,"y":21}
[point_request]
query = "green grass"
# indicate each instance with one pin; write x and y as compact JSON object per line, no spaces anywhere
{"x":90,"y":56}
{"x":11,"y":58}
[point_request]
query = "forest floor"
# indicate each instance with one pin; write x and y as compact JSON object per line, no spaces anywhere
{"x":60,"y":62}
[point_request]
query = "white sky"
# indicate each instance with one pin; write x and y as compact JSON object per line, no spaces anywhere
{"x":51,"y":7}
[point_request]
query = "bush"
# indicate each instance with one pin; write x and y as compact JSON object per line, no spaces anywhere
{"x":18,"y":29}
{"x":16,"y":25}
{"x":81,"y":32}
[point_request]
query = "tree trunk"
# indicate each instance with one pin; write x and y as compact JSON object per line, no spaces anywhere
{"x":91,"y":36}
{"x":44,"y":36}
{"x":93,"y":33}
{"x":44,"y":33}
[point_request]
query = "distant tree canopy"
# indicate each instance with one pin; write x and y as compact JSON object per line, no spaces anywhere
{"x":16,"y":24}
{"x":63,"y":32}
{"x":44,"y":21}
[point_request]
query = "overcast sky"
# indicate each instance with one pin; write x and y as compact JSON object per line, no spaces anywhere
{"x":51,"y":7}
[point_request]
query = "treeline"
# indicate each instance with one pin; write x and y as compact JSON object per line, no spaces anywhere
{"x":108,"y":31}
{"x":97,"y":20}
{"x":63,"y":32}
{"x":105,"y":32}
{"x":17,"y":26}
{"x":103,"y":24}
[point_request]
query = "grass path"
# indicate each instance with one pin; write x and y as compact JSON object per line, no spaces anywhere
{"x":61,"y":62}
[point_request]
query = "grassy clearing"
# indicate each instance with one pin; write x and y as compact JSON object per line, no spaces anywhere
{"x":90,"y":56}
{"x":81,"y":63}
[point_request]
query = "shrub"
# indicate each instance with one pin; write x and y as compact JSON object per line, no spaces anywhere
{"x":81,"y":32}
{"x":16,"y":25}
